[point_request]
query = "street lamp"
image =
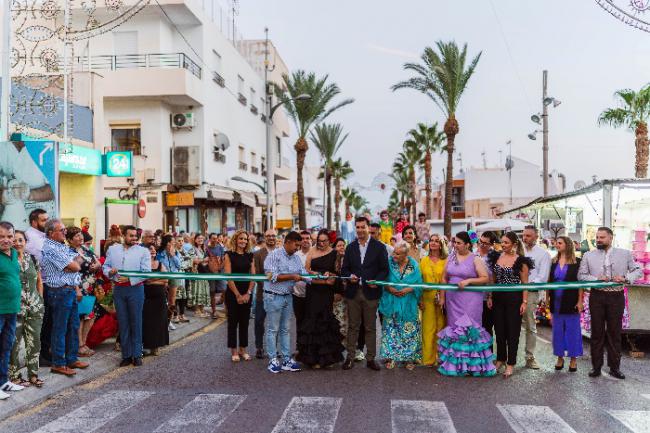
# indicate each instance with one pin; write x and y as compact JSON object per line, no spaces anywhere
{"x":546,"y":101}
{"x":241,"y":179}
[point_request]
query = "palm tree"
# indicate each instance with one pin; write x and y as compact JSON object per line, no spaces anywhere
{"x":359,"y":204}
{"x":633,"y":113}
{"x":328,"y":140}
{"x":349,"y":198}
{"x":305,"y":113}
{"x":341,"y":170}
{"x":428,"y":139}
{"x":402,"y":187}
{"x":406,"y":161}
{"x":443,"y":77}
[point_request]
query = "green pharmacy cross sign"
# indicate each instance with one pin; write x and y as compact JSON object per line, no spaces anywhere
{"x":118,"y":164}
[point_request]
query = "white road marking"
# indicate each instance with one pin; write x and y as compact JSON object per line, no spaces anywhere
{"x":205,"y":413}
{"x":419,"y":416}
{"x":96,"y":413}
{"x":638,"y":421}
{"x":309,"y":415}
{"x":533,"y":419}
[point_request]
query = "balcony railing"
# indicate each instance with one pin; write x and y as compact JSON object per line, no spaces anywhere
{"x":254,"y":109}
{"x":243,"y":166}
{"x":458,"y":208}
{"x":130,"y":61}
{"x":254,"y":170}
{"x":242,"y":99}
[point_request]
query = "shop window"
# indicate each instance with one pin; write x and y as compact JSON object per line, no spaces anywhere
{"x":193,"y":220}
{"x":214,"y":220}
{"x":126,"y":139}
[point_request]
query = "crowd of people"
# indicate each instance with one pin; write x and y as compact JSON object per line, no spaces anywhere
{"x":60,"y":299}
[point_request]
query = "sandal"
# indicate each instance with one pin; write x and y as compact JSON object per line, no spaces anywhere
{"x":235,"y":358}
{"x":410,"y":366}
{"x":390,"y":365}
{"x":22,"y":382}
{"x":34,"y":380}
{"x":245,"y":356}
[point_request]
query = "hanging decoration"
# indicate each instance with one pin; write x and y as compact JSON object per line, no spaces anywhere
{"x":631,"y":12}
{"x":43,"y":39}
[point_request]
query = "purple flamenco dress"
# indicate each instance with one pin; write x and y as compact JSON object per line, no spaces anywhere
{"x":464,"y":346}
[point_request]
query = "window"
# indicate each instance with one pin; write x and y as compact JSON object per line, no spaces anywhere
{"x":216,"y":59}
{"x":240,"y":85}
{"x":242,"y":154}
{"x":253,"y":158}
{"x":126,"y":138}
{"x":252,"y":96}
{"x":278,"y":143}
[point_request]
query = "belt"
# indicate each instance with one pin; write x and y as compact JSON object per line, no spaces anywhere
{"x":277,"y":294}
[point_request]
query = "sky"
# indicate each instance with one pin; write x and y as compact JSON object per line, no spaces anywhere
{"x":363,"y":45}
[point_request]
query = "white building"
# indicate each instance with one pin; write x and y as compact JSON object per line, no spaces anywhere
{"x":180,"y":95}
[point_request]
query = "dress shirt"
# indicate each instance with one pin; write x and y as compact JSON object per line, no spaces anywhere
{"x":542,"y":261}
{"x":56,"y":257}
{"x":35,"y":241}
{"x":422,"y":230}
{"x":610,"y":263}
{"x":362,"y":250}
{"x":277,"y":263}
{"x":135,"y":258}
{"x":303,"y":256}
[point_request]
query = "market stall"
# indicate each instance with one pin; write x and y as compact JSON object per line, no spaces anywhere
{"x":623,"y":205}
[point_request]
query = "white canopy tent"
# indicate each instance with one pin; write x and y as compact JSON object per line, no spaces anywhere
{"x":505,"y":224}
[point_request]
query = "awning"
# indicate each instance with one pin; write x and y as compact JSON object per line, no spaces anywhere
{"x":248,"y":198}
{"x":216,"y":193}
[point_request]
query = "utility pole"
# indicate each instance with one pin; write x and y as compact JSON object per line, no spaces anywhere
{"x":5,"y":53}
{"x":545,"y":131}
{"x":270,"y":160}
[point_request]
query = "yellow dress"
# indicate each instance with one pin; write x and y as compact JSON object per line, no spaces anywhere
{"x":433,"y":319}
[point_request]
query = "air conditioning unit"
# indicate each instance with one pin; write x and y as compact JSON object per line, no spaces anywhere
{"x":147,"y":175}
{"x":182,"y":120}
{"x":187,"y":165}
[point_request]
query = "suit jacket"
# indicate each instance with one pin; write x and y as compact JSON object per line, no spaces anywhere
{"x":622,"y":263}
{"x":374,"y":267}
{"x":569,"y":297}
{"x":258,"y":260}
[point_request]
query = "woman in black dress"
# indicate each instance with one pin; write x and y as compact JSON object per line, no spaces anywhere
{"x":155,"y":332}
{"x":509,"y":267}
{"x":320,"y":339}
{"x":239,"y":260}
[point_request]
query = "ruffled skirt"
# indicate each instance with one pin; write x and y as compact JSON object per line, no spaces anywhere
{"x":465,"y":349}
{"x":319,"y":338}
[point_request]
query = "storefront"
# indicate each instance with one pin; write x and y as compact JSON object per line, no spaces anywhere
{"x":220,"y":210}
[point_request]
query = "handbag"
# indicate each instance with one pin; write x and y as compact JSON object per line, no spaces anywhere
{"x":86,"y":305}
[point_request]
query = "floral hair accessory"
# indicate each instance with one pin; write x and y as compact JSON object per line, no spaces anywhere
{"x":473,"y":236}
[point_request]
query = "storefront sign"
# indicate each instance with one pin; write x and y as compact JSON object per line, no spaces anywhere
{"x":294,"y":203}
{"x":142,"y":208}
{"x":180,"y":199}
{"x":80,"y":160}
{"x":119,"y":164}
{"x":284,"y":224}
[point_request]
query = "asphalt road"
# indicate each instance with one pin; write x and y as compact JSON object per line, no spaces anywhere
{"x":195,"y":388}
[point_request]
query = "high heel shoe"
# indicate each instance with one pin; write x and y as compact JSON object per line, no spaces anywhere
{"x":559,"y":367}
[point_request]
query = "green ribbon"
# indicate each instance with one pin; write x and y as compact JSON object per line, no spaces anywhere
{"x":534,"y":287}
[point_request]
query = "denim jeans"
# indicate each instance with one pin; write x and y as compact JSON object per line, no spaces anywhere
{"x":260,"y":315}
{"x":129,"y":301}
{"x":7,"y":337}
{"x":62,"y":303}
{"x":278,"y":317}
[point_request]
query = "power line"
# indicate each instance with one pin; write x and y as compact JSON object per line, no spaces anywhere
{"x":510,"y":56}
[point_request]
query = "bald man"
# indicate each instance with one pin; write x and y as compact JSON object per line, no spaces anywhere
{"x":270,"y":243}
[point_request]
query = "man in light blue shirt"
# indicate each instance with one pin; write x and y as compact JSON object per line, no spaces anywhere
{"x":283,"y":268}
{"x":128,"y":293}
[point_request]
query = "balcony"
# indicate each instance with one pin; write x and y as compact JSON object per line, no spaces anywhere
{"x":458,"y":211}
{"x":254,"y":109}
{"x":218,"y":79}
{"x":242,"y":99}
{"x":131,"y":61}
{"x":255,"y":170}
{"x":243,"y":166}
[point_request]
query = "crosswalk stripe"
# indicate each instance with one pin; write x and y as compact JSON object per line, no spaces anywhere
{"x":94,"y":414}
{"x":533,"y":419}
{"x":205,"y":413}
{"x":309,"y":415}
{"x":420,"y":416}
{"x":646,"y":396}
{"x":637,"y":421}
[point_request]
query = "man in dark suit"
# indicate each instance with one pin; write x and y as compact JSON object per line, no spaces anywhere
{"x":365,"y":259}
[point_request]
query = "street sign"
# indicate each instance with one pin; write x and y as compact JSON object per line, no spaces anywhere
{"x":80,"y":160}
{"x":118,"y":164}
{"x":180,"y":199}
{"x":142,"y":208}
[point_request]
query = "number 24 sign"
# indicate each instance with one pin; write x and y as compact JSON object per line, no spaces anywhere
{"x":119,"y":164}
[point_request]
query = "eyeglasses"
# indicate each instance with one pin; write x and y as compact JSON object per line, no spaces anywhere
{"x":322,"y":240}
{"x":485,"y":244}
{"x":62,"y":230}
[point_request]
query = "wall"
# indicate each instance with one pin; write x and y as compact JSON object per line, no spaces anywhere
{"x":78,"y":199}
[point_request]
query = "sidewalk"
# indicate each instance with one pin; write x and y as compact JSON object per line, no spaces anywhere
{"x":105,"y":360}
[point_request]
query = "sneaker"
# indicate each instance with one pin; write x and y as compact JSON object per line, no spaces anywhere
{"x":4,"y":395}
{"x":532,"y":364}
{"x":290,"y":365}
{"x":10,"y":386}
{"x":274,"y":366}
{"x":359,"y":356}
{"x":171,"y":327}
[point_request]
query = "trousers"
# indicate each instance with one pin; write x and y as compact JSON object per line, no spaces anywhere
{"x":129,"y":301}
{"x":64,"y":343}
{"x":278,"y":318}
{"x":238,"y":317}
{"x":28,"y":329}
{"x":606,"y":327}
{"x":530,"y":325}
{"x":507,"y":324}
{"x":362,"y":310}
{"x":7,"y":337}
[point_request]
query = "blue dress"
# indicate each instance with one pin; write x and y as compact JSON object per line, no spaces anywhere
{"x":567,"y":337}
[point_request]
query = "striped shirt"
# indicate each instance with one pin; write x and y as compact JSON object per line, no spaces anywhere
{"x":277,"y":263}
{"x":56,"y":257}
